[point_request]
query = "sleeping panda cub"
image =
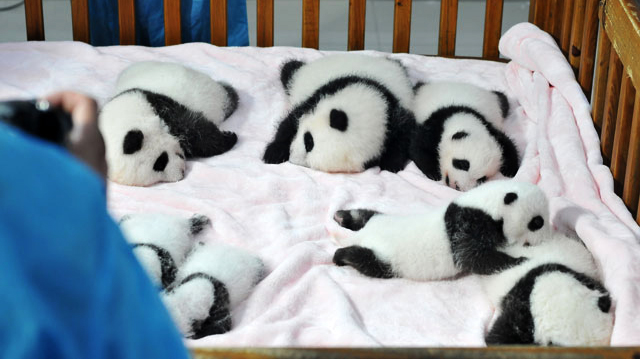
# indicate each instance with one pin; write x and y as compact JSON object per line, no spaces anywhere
{"x":349,"y":112}
{"x":551,"y":298}
{"x":468,"y":235}
{"x":202,"y":281}
{"x":163,"y":114}
{"x":459,"y":138}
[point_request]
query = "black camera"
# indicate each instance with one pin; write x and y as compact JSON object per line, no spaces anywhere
{"x":38,"y":118}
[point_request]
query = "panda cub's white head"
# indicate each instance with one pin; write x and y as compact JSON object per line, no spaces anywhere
{"x":343,"y":132}
{"x":523,"y":208}
{"x":139,"y":149}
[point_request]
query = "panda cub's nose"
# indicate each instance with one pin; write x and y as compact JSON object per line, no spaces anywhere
{"x":536,"y":223}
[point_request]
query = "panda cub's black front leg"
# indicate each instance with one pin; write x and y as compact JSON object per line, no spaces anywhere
{"x":364,"y":261}
{"x":354,"y":219}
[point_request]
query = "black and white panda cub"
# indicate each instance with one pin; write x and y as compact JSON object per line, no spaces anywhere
{"x":468,"y":235}
{"x":349,"y":112}
{"x":201,"y":282}
{"x":459,"y":138}
{"x":551,"y":298}
{"x":163,"y":114}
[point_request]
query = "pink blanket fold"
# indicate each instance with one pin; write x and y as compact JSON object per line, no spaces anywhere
{"x":284,"y":212}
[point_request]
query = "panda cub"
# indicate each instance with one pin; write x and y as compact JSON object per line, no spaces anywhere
{"x":202,"y":281}
{"x":459,"y":138}
{"x":163,"y":114}
{"x":551,"y":298}
{"x":349,"y":112}
{"x":468,"y":235}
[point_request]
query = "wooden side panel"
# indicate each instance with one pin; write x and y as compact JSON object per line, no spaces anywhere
{"x":172,"y":32}
{"x":264,"y":23}
{"x":448,"y":23}
{"x":357,"y":16}
{"x":565,"y":34}
{"x":602,"y":71}
{"x":34,"y":20}
{"x":577,"y":25}
{"x":611,"y":106}
{"x":80,"y":20}
{"x":631,"y":191}
{"x":623,"y":127}
{"x":402,"y":26}
{"x":127,"y":22}
{"x":310,"y":23}
{"x":492,"y":29}
{"x":589,"y":41}
{"x":218,"y":9}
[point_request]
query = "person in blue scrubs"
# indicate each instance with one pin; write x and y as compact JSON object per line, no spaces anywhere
{"x":71,"y":286}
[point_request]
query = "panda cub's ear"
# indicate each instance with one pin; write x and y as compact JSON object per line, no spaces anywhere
{"x":338,"y":119}
{"x":132,"y":142}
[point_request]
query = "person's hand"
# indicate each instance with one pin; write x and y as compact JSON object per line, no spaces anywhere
{"x":85,"y":140}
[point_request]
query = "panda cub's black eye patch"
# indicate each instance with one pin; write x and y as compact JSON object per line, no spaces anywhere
{"x":510,"y":197}
{"x":462,"y":165}
{"x":308,"y":141}
{"x":481,"y":180}
{"x":161,"y":162}
{"x":459,"y":135}
{"x":338,"y":120}
{"x":132,"y":142}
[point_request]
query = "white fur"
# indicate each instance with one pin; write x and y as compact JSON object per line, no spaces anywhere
{"x":433,"y":96}
{"x":314,"y":74}
{"x":418,"y":247}
{"x":194,"y":89}
{"x":165,"y":231}
{"x":132,"y":111}
{"x":336,"y":151}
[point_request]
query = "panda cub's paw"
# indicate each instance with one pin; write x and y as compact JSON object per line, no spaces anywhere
{"x":211,"y":282}
{"x":353,"y":219}
{"x":161,"y":242}
{"x":364,"y":261}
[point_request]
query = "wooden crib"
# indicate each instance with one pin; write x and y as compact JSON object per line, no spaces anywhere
{"x":601,"y":40}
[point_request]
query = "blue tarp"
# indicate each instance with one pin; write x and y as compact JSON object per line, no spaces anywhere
{"x":195,"y":22}
{"x":71,"y":286}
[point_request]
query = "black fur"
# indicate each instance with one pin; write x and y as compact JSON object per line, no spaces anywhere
{"x":515,"y":323}
{"x":308,"y":142}
{"x":536,"y":223}
{"x":132,"y":142}
{"x":475,"y":238}
{"x":426,"y":140}
{"x":288,"y":70}
{"x":400,"y":124}
{"x":354,"y":219}
{"x":161,"y":162}
{"x":338,"y":120}
{"x":198,"y":136}
{"x":459,"y":135}
{"x":510,"y":197}
{"x":504,"y":103}
{"x":233,"y":98}
{"x":462,"y":165}
{"x":198,"y":222}
{"x":168,"y":266}
{"x":363,"y":260}
{"x":481,"y":180}
{"x":417,"y":86}
{"x":219,"y":319}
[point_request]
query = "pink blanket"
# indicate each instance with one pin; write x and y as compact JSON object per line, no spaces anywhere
{"x":284,"y":212}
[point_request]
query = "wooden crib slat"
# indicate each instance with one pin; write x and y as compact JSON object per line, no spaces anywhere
{"x":577,"y":25}
{"x":631,"y":192}
{"x":589,"y":38}
{"x":623,"y":128}
{"x":34,"y":19}
{"x":492,"y":29}
{"x":538,"y":11}
{"x":218,"y":10}
{"x":80,"y":20}
{"x":264,"y":23}
{"x":620,"y":18}
{"x":357,"y":17}
{"x":611,"y":106}
{"x":565,"y":34}
{"x":402,"y":25}
{"x":310,"y":23}
{"x":172,"y":32}
{"x":448,"y":23}
{"x":602,"y":70}
{"x":127,"y":22}
{"x":554,"y":24}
